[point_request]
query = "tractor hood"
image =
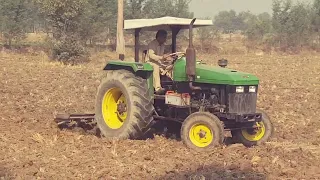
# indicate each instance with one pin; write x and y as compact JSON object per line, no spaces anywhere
{"x":214,"y":75}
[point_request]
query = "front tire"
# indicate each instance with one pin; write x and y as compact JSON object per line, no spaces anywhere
{"x":202,"y":131}
{"x":250,"y":138}
{"x":124,"y":107}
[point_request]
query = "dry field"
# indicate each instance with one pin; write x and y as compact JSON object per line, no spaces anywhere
{"x":32,"y":147}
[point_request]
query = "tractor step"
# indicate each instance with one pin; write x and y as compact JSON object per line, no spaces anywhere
{"x":73,"y":117}
{"x":160,"y":97}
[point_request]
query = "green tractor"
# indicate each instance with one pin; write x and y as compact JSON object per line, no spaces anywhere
{"x":206,"y":100}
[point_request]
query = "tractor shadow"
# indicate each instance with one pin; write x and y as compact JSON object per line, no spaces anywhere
{"x":168,"y":129}
{"x":216,"y":172}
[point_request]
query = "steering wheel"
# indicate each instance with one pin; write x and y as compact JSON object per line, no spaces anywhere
{"x":177,"y":55}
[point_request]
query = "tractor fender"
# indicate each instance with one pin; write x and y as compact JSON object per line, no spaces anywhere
{"x":143,"y":70}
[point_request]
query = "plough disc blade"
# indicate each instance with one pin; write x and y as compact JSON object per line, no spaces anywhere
{"x":71,"y":117}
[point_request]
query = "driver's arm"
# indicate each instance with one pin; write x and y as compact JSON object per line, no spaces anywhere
{"x":153,"y":55}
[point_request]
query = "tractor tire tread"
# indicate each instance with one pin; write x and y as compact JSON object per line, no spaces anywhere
{"x":141,"y":114}
{"x":210,"y":120}
{"x":238,"y":137}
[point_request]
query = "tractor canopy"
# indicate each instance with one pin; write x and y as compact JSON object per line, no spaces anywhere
{"x":167,"y":23}
{"x":171,"y":24}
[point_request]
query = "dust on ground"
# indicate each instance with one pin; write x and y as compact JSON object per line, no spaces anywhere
{"x":32,"y":147}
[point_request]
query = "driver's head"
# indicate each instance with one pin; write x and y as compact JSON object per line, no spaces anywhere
{"x":161,"y":36}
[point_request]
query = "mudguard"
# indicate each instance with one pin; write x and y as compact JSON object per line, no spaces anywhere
{"x":132,"y":66}
{"x":143,"y":70}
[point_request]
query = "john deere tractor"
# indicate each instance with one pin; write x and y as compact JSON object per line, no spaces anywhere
{"x":206,"y":100}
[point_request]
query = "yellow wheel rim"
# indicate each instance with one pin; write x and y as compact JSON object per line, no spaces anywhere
{"x":114,"y":108}
{"x":256,"y":135}
{"x":200,"y":135}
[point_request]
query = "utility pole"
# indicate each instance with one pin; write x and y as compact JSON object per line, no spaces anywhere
{"x":120,"y":36}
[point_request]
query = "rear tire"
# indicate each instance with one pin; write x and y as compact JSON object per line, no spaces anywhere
{"x":250,"y":139}
{"x":206,"y":123}
{"x":135,"y":115}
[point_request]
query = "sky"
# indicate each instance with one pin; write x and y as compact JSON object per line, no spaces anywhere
{"x":204,"y":8}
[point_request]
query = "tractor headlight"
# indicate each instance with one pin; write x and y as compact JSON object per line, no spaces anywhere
{"x":239,"y":89}
{"x":252,"y":89}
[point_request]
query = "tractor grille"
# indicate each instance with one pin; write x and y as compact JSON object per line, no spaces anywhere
{"x":242,"y":103}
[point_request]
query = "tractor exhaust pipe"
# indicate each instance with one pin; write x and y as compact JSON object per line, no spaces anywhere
{"x":191,"y":53}
{"x":191,"y":59}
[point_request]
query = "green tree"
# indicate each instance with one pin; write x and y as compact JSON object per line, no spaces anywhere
{"x":134,"y":9}
{"x":98,"y":22}
{"x":207,"y":35}
{"x":243,"y":20}
{"x":316,"y":15}
{"x":280,"y":20}
{"x":298,"y":31}
{"x":229,"y":21}
{"x":14,"y":18}
{"x":160,"y":8}
{"x":225,"y":21}
{"x":258,"y":26}
{"x":315,"y":22}
{"x":291,"y":24}
{"x":65,"y":17}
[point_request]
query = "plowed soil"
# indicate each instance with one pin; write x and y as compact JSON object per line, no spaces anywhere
{"x":32,"y":90}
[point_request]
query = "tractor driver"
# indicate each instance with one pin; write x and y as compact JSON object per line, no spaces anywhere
{"x":157,"y":58}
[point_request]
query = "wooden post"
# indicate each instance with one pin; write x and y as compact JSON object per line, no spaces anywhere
{"x":120,"y":37}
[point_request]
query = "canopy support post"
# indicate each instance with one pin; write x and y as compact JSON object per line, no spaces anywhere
{"x":175,"y":30}
{"x":136,"y":45}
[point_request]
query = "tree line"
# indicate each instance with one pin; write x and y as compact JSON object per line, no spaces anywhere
{"x":290,"y":27}
{"x":73,"y":25}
